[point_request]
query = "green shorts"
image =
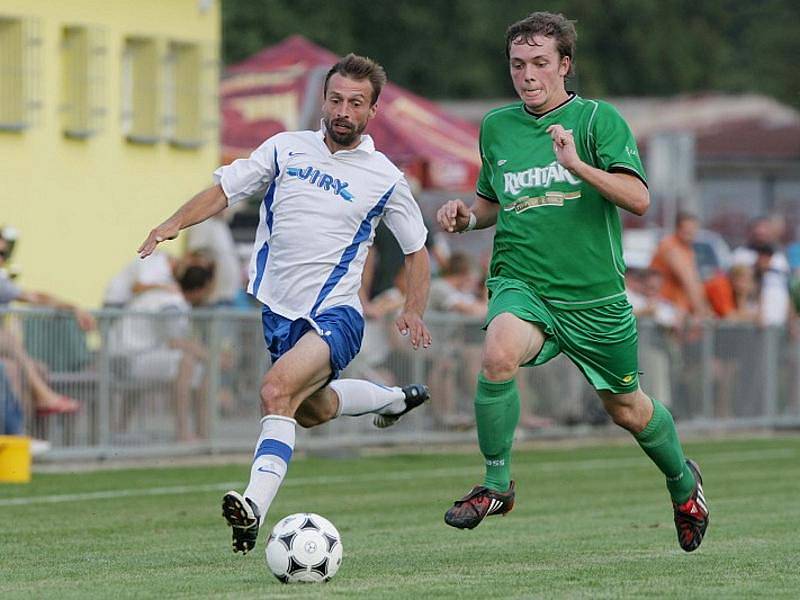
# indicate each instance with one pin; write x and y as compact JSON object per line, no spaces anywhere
{"x":601,"y":341}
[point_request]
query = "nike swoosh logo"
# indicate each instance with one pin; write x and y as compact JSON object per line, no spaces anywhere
{"x":295,"y":153}
{"x":266,"y":470}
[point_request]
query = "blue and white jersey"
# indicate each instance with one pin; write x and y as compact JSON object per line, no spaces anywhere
{"x":318,"y":218}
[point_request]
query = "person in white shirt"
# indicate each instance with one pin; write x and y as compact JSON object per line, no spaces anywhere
{"x":323,"y":194}
{"x":138,"y":276}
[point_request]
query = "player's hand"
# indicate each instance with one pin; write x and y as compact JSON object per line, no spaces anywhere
{"x":564,"y":147}
{"x":410,"y":323}
{"x":168,"y":230}
{"x":85,"y":319}
{"x":453,"y":216}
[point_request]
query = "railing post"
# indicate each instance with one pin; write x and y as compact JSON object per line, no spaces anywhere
{"x":102,"y":436}
{"x":707,"y":382}
{"x":770,"y":365}
{"x":214,"y":362}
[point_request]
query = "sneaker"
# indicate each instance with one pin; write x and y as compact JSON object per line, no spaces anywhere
{"x":242,"y":516}
{"x":691,"y":517}
{"x":481,"y":502}
{"x":416,"y":394}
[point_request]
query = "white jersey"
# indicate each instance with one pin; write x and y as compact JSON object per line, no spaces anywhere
{"x":318,"y":218}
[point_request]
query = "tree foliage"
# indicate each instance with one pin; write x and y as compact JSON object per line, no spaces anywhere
{"x":455,"y":48}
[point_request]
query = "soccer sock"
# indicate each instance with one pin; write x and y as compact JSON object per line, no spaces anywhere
{"x":496,"y":414}
{"x":660,"y":442}
{"x":270,"y":461}
{"x":358,"y":397}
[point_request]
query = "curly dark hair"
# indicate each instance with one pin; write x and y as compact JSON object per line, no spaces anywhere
{"x":556,"y":26}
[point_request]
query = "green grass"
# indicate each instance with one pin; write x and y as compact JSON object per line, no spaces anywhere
{"x":591,"y":522}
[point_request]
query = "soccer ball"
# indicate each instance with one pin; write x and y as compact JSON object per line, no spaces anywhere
{"x":304,"y":547}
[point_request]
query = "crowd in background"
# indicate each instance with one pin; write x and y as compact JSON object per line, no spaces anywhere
{"x":760,"y":287}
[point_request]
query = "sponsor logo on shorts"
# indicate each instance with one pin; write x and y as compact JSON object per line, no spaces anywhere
{"x":629,"y":378}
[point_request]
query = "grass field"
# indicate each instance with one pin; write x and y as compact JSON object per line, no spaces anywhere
{"x":591,"y":522}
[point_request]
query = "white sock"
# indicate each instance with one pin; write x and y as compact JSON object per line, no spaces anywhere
{"x":358,"y":397}
{"x":270,"y":460}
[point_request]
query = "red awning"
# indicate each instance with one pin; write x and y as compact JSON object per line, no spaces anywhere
{"x":280,"y":89}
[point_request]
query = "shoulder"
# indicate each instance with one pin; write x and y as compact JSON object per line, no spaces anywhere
{"x":600,"y":111}
{"x":382,"y":163}
{"x":499,"y":115}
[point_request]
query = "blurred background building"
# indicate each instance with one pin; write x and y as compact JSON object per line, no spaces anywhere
{"x":108,"y":119}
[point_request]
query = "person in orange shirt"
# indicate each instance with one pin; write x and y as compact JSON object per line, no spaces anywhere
{"x":674,"y":259}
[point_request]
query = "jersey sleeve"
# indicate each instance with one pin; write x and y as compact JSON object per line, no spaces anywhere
{"x":249,"y":177}
{"x":404,"y":218}
{"x":484,"y":185}
{"x":614,"y":144}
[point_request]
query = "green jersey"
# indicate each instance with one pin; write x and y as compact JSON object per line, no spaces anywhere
{"x":555,"y":232}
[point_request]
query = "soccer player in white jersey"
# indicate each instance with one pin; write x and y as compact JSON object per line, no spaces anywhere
{"x":324,"y":193}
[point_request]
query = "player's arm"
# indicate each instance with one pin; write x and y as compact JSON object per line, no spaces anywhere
{"x":625,"y":190}
{"x":454,"y":216}
{"x":418,"y":282}
{"x":204,"y":205}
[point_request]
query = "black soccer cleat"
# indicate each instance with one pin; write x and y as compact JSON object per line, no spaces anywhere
{"x":243,"y":518}
{"x":479,"y":503}
{"x":416,"y":394}
{"x":691,"y":517}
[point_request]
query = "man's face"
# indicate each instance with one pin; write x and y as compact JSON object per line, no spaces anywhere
{"x":687,"y":231}
{"x":346,"y":109}
{"x":538,"y":72}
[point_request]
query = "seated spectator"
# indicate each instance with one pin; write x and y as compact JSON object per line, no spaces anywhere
{"x":674,"y":259}
{"x":214,"y":238}
{"x":734,"y":296}
{"x":44,"y":399}
{"x":159,"y":347}
{"x":772,"y":279}
{"x":156,"y":272}
{"x":454,"y":291}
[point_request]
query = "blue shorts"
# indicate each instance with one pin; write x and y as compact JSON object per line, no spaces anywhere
{"x":341,"y":327}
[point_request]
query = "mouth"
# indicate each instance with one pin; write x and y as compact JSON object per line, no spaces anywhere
{"x":532,"y":93}
{"x":341,"y":127}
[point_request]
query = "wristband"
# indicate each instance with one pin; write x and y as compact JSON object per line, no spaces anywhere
{"x":473,"y":220}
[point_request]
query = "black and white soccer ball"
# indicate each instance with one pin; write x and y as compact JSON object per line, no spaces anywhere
{"x":304,"y":547}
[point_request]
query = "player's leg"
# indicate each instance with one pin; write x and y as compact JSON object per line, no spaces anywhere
{"x":603,"y":343}
{"x":292,"y":378}
{"x":510,"y":342}
{"x":357,"y":397}
{"x":652,"y":426}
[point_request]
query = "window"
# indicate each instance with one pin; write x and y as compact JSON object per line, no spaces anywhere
{"x":83,"y":62}
{"x":183,"y":95}
{"x":19,"y":64}
{"x":140,"y":90}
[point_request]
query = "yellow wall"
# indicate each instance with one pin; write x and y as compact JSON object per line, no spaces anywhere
{"x":83,"y":206}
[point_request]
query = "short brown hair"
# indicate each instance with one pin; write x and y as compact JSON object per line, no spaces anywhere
{"x":552,"y":25}
{"x":359,"y":68}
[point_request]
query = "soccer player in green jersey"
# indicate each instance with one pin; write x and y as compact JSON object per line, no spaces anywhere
{"x":556,"y":168}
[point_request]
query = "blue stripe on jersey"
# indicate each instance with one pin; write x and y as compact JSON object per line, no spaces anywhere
{"x":263,"y":252}
{"x":274,"y":448}
{"x":350,"y":252}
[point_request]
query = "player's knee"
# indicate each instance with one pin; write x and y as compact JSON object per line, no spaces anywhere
{"x":499,"y":364}
{"x":275,"y":397}
{"x":625,"y":416}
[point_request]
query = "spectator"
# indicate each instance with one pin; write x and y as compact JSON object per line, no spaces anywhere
{"x":45,"y":400}
{"x":162,"y":349}
{"x":454,"y":291}
{"x":674,"y":259}
{"x":734,"y":296}
{"x":156,"y":272}
{"x":657,"y":344}
{"x":772,"y":279}
{"x":213,"y":237}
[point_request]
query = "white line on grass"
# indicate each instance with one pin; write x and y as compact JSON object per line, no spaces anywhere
{"x":411,"y":474}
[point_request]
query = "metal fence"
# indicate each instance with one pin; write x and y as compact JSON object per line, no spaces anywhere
{"x":174,"y":383}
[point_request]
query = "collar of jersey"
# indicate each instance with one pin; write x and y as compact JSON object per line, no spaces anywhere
{"x":552,"y":111}
{"x":366,"y":144}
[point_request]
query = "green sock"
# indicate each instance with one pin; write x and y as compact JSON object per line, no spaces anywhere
{"x":496,"y":414}
{"x":660,"y":442}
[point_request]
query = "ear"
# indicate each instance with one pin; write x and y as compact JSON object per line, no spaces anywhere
{"x":563,"y":68}
{"x":372,"y":110}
